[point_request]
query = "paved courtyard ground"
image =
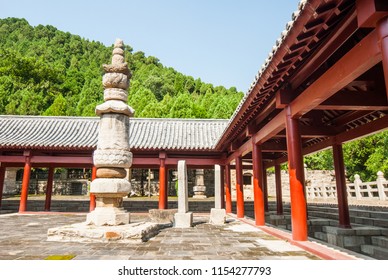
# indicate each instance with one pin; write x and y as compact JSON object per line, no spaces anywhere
{"x":24,"y":237}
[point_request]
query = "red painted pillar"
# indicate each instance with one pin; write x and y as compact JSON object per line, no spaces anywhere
{"x":382,"y":29}
{"x":163,"y":201}
{"x":278,"y":183}
{"x":296,"y":173}
{"x":228,"y":192}
{"x":265,"y":188}
{"x":339,"y":168}
{"x":222,"y":183}
{"x":92,"y":203}
{"x":258,"y":188}
{"x":49,"y":189}
{"x":239,"y":188}
{"x":2,"y":177}
{"x":25,"y":184}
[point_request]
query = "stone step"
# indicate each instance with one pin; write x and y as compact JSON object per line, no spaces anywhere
{"x":327,"y":215}
{"x":320,"y":236}
{"x":375,"y":252}
{"x":371,"y":221}
{"x":367,"y":231}
{"x":379,"y":215}
{"x":380,"y":241}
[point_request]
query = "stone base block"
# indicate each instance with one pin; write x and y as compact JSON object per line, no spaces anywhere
{"x":217,"y":216}
{"x":82,"y":232}
{"x":162,"y":216}
{"x":183,"y":220}
{"x":199,"y":196}
{"x":108,"y":216}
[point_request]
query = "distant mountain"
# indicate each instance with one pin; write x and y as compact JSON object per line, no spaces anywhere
{"x":45,"y":71}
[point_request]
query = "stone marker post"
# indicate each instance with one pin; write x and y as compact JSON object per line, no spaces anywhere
{"x":112,"y":155}
{"x":217,"y":214}
{"x":183,"y":218}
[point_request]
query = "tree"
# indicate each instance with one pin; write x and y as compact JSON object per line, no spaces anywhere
{"x":58,"y":108}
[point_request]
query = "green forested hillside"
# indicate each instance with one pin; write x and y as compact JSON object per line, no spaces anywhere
{"x":44,"y":71}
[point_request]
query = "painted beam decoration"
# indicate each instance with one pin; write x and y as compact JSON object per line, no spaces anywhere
{"x":113,"y":154}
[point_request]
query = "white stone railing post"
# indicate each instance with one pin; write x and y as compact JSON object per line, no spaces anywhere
{"x":380,"y":185}
{"x":323,"y":191}
{"x":357,"y":186}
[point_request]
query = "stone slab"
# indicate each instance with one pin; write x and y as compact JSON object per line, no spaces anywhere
{"x":162,"y":215}
{"x":217,"y":216}
{"x":278,"y":245}
{"x":380,"y":241}
{"x":367,"y":231}
{"x":82,"y":232}
{"x":338,"y":231}
{"x":183,"y":220}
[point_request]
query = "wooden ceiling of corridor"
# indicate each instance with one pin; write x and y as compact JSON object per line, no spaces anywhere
{"x":328,"y":70}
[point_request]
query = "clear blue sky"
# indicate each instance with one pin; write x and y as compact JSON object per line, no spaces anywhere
{"x":222,"y":42}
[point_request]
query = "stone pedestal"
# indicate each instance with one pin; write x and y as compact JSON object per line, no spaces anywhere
{"x":183,"y":220}
{"x":108,"y":216}
{"x":199,"y":189}
{"x":217,"y":216}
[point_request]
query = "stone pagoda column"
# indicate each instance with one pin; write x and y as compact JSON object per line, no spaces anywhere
{"x":199,"y":189}
{"x":113,"y":155}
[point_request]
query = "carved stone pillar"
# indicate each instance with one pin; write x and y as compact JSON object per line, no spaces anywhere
{"x":112,"y":156}
{"x":199,"y":189}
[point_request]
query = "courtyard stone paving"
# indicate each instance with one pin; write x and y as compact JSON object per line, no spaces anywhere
{"x":24,"y":237}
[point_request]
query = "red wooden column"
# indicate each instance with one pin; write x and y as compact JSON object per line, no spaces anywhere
{"x":228,"y":192}
{"x":296,"y":173}
{"x":382,"y":29}
{"x":222,"y":169}
{"x":163,"y":196}
{"x":258,"y":188}
{"x":49,"y":189}
{"x":239,"y":188}
{"x":265,"y":188}
{"x":278,"y":183}
{"x":92,"y":203}
{"x":2,"y":177}
{"x":339,"y":168}
{"x":25,"y":183}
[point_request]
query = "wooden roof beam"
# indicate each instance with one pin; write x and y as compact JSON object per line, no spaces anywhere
{"x":355,"y":100}
{"x":370,"y":11}
{"x":343,"y":137}
{"x":357,"y":61}
{"x":341,"y":33}
{"x":274,"y":147}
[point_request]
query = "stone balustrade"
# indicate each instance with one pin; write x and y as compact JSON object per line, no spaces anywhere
{"x":358,"y":190}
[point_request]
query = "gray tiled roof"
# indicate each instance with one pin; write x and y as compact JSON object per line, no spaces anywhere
{"x":36,"y":132}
